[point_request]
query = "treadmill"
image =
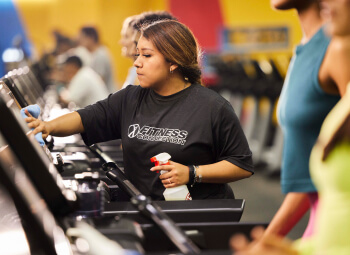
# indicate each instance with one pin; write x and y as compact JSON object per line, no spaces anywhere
{"x":47,"y":209}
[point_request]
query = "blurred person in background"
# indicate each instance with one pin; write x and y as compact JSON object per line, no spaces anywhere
{"x":100,"y":57}
{"x":329,"y":161}
{"x":46,"y":68}
{"x":312,"y":87}
{"x":66,"y":47}
{"x":128,"y":48}
{"x":83,"y":85}
{"x":62,"y":43}
{"x":132,"y":31}
{"x":331,"y":231}
{"x":329,"y":166}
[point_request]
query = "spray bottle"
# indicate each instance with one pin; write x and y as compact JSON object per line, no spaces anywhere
{"x":176,"y":193}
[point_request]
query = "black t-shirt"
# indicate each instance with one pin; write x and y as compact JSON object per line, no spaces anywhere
{"x":196,"y":126}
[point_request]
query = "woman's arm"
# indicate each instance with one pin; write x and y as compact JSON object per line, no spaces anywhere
{"x":68,"y":124}
{"x":293,"y":208}
{"x":220,"y":172}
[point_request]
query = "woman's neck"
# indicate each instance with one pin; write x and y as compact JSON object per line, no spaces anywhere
{"x":171,"y":87}
{"x":310,"y":21}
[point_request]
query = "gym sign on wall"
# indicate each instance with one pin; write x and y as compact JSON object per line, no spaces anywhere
{"x":248,"y":39}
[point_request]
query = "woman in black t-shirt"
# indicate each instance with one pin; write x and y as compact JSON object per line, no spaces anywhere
{"x":169,"y":112}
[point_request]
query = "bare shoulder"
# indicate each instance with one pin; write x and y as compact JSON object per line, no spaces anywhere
{"x":339,"y":47}
{"x":334,"y":73}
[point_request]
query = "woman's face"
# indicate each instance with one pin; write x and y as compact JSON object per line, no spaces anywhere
{"x":338,"y":13}
{"x":152,"y":68}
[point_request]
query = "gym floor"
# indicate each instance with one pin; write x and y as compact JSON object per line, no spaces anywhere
{"x":263,"y":197}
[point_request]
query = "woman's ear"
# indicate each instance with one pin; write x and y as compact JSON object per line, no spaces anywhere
{"x":173,"y":67}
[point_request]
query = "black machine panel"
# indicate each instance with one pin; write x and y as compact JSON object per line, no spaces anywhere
{"x":195,"y":211}
{"x":210,"y":236}
{"x":42,"y":231}
{"x":36,"y":163}
{"x":15,"y":91}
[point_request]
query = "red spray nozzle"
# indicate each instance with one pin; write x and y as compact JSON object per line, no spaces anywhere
{"x":155,"y":161}
{"x":161,"y":159}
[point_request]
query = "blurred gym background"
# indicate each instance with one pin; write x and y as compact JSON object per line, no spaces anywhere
{"x":246,"y":51}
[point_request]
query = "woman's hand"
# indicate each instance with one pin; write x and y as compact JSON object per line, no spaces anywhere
{"x":176,"y":175}
{"x":38,"y":125}
{"x":261,"y":244}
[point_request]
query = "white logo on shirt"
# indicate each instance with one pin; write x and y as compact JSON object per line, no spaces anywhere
{"x":166,"y":135}
{"x":133,"y":130}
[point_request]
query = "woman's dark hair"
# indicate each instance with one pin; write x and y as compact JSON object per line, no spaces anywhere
{"x":150,"y":17}
{"x":341,"y":135}
{"x":178,"y":45}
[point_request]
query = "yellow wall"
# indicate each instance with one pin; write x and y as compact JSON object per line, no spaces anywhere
{"x":41,"y":17}
{"x":260,"y":13}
